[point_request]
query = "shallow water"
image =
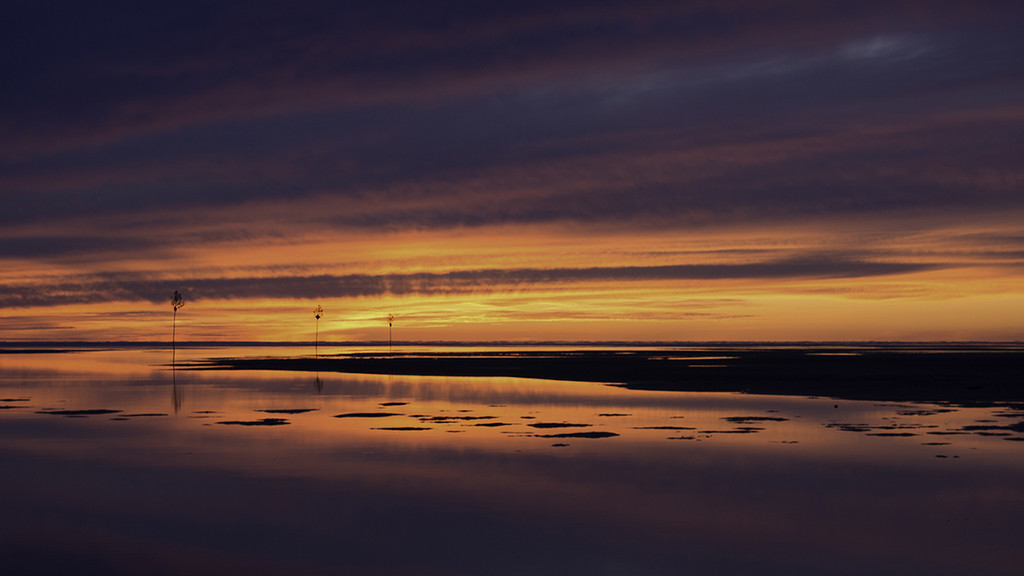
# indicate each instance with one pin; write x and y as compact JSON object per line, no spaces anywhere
{"x":115,"y":463}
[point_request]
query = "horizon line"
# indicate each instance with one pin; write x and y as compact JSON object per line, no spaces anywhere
{"x":611,"y":343}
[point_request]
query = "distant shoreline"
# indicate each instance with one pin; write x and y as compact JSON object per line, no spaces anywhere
{"x":658,"y":344}
{"x":961,"y":375}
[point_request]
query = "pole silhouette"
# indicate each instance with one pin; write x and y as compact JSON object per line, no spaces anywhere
{"x":317,"y":313}
{"x":391,"y":318}
{"x":176,"y":302}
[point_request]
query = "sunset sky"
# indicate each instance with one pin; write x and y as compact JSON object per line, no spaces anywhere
{"x":705,"y":170}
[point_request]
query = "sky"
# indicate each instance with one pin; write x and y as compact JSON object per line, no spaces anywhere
{"x":601,"y":171}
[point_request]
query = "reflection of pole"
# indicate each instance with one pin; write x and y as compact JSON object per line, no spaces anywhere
{"x":318,"y":383}
{"x":175,"y":395}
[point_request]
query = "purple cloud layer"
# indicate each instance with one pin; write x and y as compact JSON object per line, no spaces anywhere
{"x":419,"y":115}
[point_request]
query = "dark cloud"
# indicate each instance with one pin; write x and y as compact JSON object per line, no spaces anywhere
{"x":79,"y":247}
{"x":116,"y":287}
{"x":426,"y":115}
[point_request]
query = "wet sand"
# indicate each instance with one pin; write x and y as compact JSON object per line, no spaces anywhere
{"x":960,"y":375}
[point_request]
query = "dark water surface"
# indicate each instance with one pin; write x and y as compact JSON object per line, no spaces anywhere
{"x":113,"y":463}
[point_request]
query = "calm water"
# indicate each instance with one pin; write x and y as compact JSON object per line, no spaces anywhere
{"x":114,"y":463}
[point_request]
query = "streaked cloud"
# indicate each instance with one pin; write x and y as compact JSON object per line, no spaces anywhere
{"x":366,"y":151}
{"x":112,"y":288}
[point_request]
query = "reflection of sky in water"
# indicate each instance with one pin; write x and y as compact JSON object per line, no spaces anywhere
{"x":477,"y":475}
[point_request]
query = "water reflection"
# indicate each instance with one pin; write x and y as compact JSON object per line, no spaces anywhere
{"x":261,"y":472}
{"x":177,"y":396}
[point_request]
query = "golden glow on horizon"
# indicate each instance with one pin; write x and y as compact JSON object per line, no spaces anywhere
{"x":973,"y":293}
{"x":599,"y":314}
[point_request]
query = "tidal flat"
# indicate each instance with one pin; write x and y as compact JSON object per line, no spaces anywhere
{"x":117,"y":462}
